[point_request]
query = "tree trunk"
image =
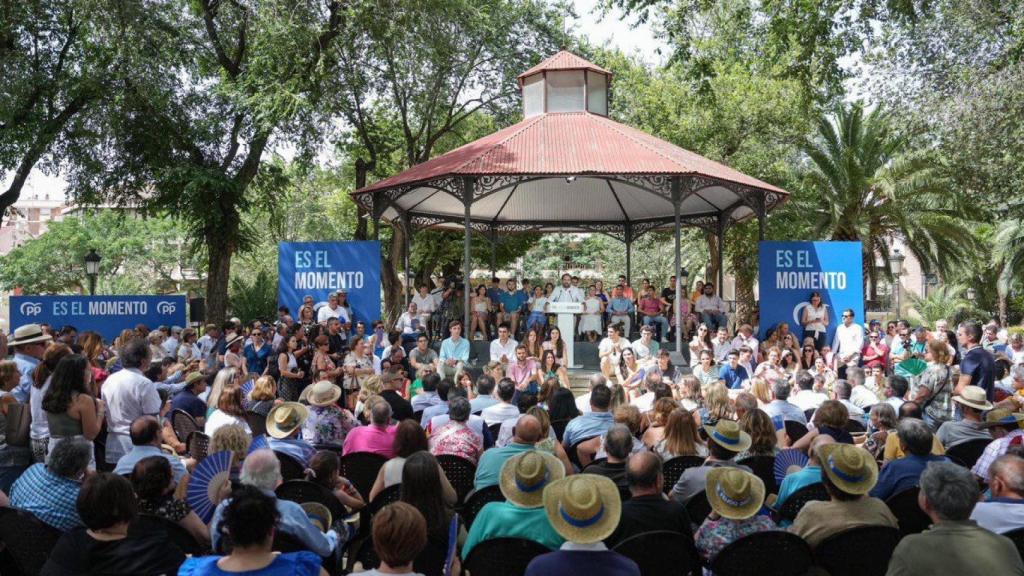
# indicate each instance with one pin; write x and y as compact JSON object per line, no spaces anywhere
{"x":219,"y":263}
{"x":1003,"y":308}
{"x":713,"y":263}
{"x":362,"y":169}
{"x":392,"y":284}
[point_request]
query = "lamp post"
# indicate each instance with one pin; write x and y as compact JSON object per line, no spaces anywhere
{"x":972,"y":294}
{"x":896,"y":267}
{"x":684,"y":280}
{"x":92,"y":269}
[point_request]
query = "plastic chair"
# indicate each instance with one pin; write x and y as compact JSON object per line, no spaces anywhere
{"x":1017,"y":537}
{"x":302,"y":491}
{"x":795,"y":430}
{"x":912,"y":519}
{"x":863,"y":551}
{"x":198,"y":444}
{"x":764,"y":468}
{"x":495,"y":429}
{"x":387,"y":496}
{"x":559,"y":427}
{"x":28,"y":539}
{"x":183,"y":424}
{"x":503,"y":556}
{"x":361,"y":469}
{"x":772,"y":553}
{"x":257,"y":423}
{"x":808,"y":413}
{"x":673,"y":469}
{"x":460,"y":473}
{"x":676,"y":554}
{"x":176,"y":534}
{"x":477,"y":500}
{"x":855,"y":426}
{"x":574,"y":457}
{"x":967,"y":453}
{"x":810,"y":493}
{"x":698,"y":508}
{"x":291,"y":469}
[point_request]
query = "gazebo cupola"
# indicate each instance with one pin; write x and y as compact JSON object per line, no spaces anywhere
{"x":565,"y":83}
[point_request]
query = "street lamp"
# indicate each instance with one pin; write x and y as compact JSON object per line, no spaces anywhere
{"x":971,"y":294}
{"x":684,"y":279}
{"x":92,"y":269}
{"x":896,"y":267}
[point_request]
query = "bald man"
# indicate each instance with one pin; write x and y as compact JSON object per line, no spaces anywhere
{"x":524,"y":436}
{"x":648,"y":509}
{"x":809,"y":474}
{"x":145,"y":435}
{"x":1005,"y":511}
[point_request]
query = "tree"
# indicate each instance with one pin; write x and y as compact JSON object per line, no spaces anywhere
{"x":206,"y":87}
{"x":140,"y":256}
{"x":872,"y":187}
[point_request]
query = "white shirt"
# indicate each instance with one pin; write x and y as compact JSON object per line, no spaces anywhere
{"x":999,"y":517}
{"x":863,"y":397}
{"x":171,"y":346}
{"x":570,"y":294}
{"x":220,"y":419}
{"x":508,"y":350}
{"x":644,"y":403}
{"x":424,"y":304}
{"x":583,"y":403}
{"x":499,"y":413}
{"x":205,"y":345}
{"x":721,"y":349}
{"x":405,"y":323}
{"x":739,"y":341}
{"x":706,"y":302}
{"x":808,"y":399}
{"x":128,"y":395}
{"x":40,"y":427}
{"x":641,"y":350}
{"x":848,"y":340}
{"x":325,"y":313}
{"x":537,"y":304}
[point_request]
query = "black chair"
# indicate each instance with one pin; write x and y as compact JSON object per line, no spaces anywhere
{"x":698,"y":508}
{"x":855,"y":426}
{"x":28,"y":539}
{"x":183,"y":424}
{"x":418,"y":416}
{"x":912,"y":519}
{"x":477,"y":500}
{"x":810,"y":493}
{"x":291,"y":469}
{"x":302,"y":491}
{"x":863,"y":551}
{"x":808,"y":413}
{"x":494,"y":429}
{"x":967,"y":453}
{"x":257,"y":423}
{"x":676,"y":554}
{"x":432,"y":560}
{"x":198,"y":445}
{"x":673,"y":469}
{"x":574,"y":457}
{"x":596,"y":462}
{"x":361,"y":551}
{"x":503,"y":556}
{"x":176,"y":534}
{"x":795,"y":430}
{"x":386,"y":496}
{"x":764,"y":468}
{"x":772,"y":553}
{"x":361,"y":469}
{"x":559,"y":427}
{"x":286,"y":543}
{"x":460,"y":473}
{"x":1017,"y":537}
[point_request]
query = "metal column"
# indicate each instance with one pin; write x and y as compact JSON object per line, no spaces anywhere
{"x":468,"y":184}
{"x":629,"y":263}
{"x":407,"y":225}
{"x":720,"y":232}
{"x":493,"y":237}
{"x":677,"y":200}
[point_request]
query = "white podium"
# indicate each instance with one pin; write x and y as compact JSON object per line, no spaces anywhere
{"x":567,"y":326}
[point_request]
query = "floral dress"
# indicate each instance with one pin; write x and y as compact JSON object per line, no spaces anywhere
{"x":715,"y":535}
{"x":328,"y":425}
{"x":456,"y":439}
{"x":168,"y":508}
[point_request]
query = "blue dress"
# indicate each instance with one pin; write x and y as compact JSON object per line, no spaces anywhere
{"x":291,"y":564}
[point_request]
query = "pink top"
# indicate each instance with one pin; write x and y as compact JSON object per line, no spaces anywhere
{"x":371,"y":439}
{"x":520,"y":374}
{"x":650,"y":306}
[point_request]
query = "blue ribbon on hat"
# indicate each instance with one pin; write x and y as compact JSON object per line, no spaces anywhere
{"x":731,"y":501}
{"x":581,"y":523}
{"x":841,"y":474}
{"x":717,"y":436}
{"x":527,"y":489}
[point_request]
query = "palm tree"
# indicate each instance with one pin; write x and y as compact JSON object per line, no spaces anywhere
{"x":947,"y":302}
{"x":1008,"y":253}
{"x":872,"y":185}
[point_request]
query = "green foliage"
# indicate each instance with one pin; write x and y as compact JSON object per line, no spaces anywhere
{"x":947,"y":302}
{"x":253,"y":298}
{"x":140,"y":256}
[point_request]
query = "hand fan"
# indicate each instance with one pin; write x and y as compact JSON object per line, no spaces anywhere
{"x":247,"y":387}
{"x":205,"y":483}
{"x":258,"y":443}
{"x":786,"y":460}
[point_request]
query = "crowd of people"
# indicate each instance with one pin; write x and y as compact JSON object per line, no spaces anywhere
{"x":89,"y":447}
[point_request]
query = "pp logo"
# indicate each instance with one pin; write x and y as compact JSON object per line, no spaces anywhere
{"x":31,"y":308}
{"x":166,"y":307}
{"x":798,"y":311}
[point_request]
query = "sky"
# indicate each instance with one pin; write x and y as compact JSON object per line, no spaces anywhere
{"x":612,"y":30}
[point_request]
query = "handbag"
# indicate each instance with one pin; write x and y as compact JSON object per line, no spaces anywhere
{"x":936,"y":392}
{"x":19,"y":417}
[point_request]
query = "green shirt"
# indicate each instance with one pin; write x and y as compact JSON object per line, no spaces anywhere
{"x":488,"y":470}
{"x":415,"y":388}
{"x":955,"y":548}
{"x":506,"y":520}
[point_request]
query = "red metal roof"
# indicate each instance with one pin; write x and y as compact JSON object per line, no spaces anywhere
{"x":563,"y":60}
{"x":566,"y":144}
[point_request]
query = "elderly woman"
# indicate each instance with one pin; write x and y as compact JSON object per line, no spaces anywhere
{"x":153,"y":484}
{"x":229,"y":412}
{"x":883,"y":421}
{"x":327,"y":423}
{"x":456,"y":438}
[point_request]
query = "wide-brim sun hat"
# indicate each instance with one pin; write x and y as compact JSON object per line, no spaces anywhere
{"x":524,"y":477}
{"x":28,"y":334}
{"x":285,"y":418}
{"x":734,"y":493}
{"x":193,"y":377}
{"x":975,"y":397}
{"x":584,"y":508}
{"x":318,"y":514}
{"x":850,"y":468}
{"x":323,"y":393}
{"x":233,"y":340}
{"x":1002,"y":417}
{"x":727,"y":434}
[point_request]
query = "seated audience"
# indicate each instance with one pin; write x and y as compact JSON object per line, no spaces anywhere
{"x":251,"y":517}
{"x":809,"y":474}
{"x":235,"y":440}
{"x":585,"y":510}
{"x":973,"y":403}
{"x":829,"y":419}
{"x":681,"y":437}
{"x":378,"y":437}
{"x":898,"y":475}
{"x":423,"y":489}
{"x":504,"y":409}
{"x":145,"y":435}
{"x":657,"y":418}
{"x":954,"y":544}
{"x":443,"y":387}
{"x":807,"y":398}
{"x":780,"y":407}
{"x":188,"y":400}
{"x":49,"y":490}
{"x":1004,"y":511}
{"x":262,"y":470}
{"x":647,"y":508}
{"x":327,"y":423}
{"x":841,"y":391}
{"x":229,"y":412}
{"x":393,"y":384}
{"x":583,"y":400}
{"x":1005,"y":428}
{"x":522,"y":482}
{"x":893,"y":449}
{"x":284,"y":425}
{"x":763,"y":439}
{"x":325,"y":470}
{"x":726,"y":441}
{"x":154,"y":484}
{"x":526,"y":435}
{"x":593,"y":423}
{"x":409,"y":439}
{"x":618,"y":443}
{"x":456,"y":438}
{"x":882,"y":422}
{"x":735,"y":497}
{"x":107,"y":506}
{"x":399,"y":534}
{"x":428,"y":395}
{"x":848,"y":474}
{"x":262,"y":397}
{"x":484,"y":394}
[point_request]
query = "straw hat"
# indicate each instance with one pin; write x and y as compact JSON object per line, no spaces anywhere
{"x":524,"y":477}
{"x":727,"y":434}
{"x":323,"y":393}
{"x":193,"y":377}
{"x":28,"y":334}
{"x":733,"y":493}
{"x":233,"y":340}
{"x":286,"y":418}
{"x":852,"y":469}
{"x":975,"y":397}
{"x":1001,"y":417}
{"x":318,"y":515}
{"x":584,"y":508}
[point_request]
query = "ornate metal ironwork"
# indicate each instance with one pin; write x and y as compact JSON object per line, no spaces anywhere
{"x":660,"y":184}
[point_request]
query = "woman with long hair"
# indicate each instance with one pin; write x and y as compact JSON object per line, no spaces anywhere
{"x":409,"y":439}
{"x":814,"y":320}
{"x":307,"y":316}
{"x":550,"y":367}
{"x":39,"y":430}
{"x":71,"y":410}
{"x":556,"y":344}
{"x":935,"y":389}
{"x":481,"y":312}
{"x":658,"y":416}
{"x":691,"y":396}
{"x":590,"y":320}
{"x":629,"y":372}
{"x":700,"y":341}
{"x":288,"y":368}
{"x":807,"y":356}
{"x":422,"y":488}
{"x":705,"y":370}
{"x":716,"y":404}
{"x":358,"y":367}
{"x":790,"y":343}
{"x":762,"y":390}
{"x":325,"y":470}
{"x":538,"y":320}
{"x":764,"y":440}
{"x":92,"y":348}
{"x":263,"y":396}
{"x":680,"y":437}
{"x":229,"y":412}
{"x":226,"y":377}
{"x":534,"y":343}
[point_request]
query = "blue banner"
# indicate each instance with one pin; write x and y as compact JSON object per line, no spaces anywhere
{"x":790,"y":271}
{"x":107,"y":315}
{"x":320,"y":268}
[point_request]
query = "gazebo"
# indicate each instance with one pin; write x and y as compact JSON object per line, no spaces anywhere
{"x":568,"y":167}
